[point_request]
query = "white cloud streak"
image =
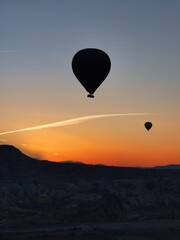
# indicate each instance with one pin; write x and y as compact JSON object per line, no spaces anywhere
{"x":23,"y":144}
{"x":3,"y":140}
{"x":10,"y":51}
{"x":72,"y":122}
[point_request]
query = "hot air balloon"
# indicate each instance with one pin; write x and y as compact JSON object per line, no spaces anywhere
{"x":148,"y":125}
{"x":91,"y":66}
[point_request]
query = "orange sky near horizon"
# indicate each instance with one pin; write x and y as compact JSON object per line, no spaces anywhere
{"x":117,"y":141}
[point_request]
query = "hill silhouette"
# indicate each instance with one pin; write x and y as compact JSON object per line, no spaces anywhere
{"x":10,"y":154}
{"x":14,"y":163}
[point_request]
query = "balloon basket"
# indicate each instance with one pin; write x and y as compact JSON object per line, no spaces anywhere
{"x":90,"y":95}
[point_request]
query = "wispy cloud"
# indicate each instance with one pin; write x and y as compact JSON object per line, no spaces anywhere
{"x":23,"y":144}
{"x":56,"y":153}
{"x":3,"y":140}
{"x":72,"y":122}
{"x":10,"y":51}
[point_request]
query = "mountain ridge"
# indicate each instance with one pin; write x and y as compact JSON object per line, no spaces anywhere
{"x":8,"y":152}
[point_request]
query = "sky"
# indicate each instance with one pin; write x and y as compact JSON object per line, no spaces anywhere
{"x":39,"y":91}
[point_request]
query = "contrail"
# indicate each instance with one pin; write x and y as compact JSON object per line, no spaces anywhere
{"x":72,"y":122}
{"x":10,"y":50}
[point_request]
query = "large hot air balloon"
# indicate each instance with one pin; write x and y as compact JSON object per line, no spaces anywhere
{"x":148,"y":125}
{"x":91,"y":66}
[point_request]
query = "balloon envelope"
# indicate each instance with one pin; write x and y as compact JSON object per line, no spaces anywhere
{"x":148,"y":125}
{"x":91,"y":66}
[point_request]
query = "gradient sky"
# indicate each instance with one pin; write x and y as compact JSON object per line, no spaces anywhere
{"x":37,"y":86}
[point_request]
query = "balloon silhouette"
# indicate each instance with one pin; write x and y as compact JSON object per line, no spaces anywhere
{"x":148,"y":125}
{"x":91,"y":66}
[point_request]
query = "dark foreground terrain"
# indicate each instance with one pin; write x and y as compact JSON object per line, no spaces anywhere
{"x":144,"y":230}
{"x":45,"y":200}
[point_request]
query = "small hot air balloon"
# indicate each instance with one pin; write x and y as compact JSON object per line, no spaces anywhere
{"x":148,"y":125}
{"x":91,"y":66}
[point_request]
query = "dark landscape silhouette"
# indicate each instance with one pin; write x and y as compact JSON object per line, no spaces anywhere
{"x":78,"y":199}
